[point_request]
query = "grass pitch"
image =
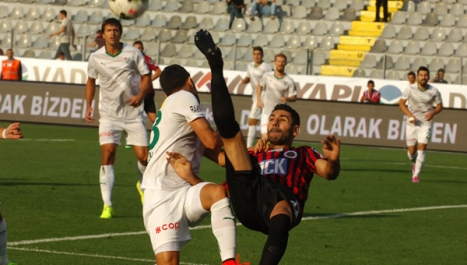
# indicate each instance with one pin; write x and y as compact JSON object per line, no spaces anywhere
{"x":372,"y":214}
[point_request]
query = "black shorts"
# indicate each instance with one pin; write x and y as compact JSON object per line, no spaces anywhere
{"x":253,"y":197}
{"x":149,"y":105}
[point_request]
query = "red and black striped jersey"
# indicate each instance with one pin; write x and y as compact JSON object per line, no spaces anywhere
{"x":292,"y":167}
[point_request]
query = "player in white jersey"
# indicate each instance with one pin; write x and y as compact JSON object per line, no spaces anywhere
{"x":254,"y":73}
{"x":172,"y":204}
{"x":278,"y":88}
{"x":124,"y":82}
{"x":421,"y":97}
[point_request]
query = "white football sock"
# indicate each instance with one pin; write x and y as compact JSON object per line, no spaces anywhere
{"x":107,"y":180}
{"x":141,"y":169}
{"x":251,"y":135}
{"x":223,"y":228}
{"x":413,"y":157}
{"x":3,"y":250}
{"x":419,"y":163}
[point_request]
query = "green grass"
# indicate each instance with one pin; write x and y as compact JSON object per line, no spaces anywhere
{"x":50,"y":189}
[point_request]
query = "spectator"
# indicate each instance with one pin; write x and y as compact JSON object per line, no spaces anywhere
{"x":61,"y":56}
{"x":371,"y":96}
{"x":264,"y":8}
{"x":235,"y":9}
{"x":67,"y":35}
{"x":1,"y":52}
{"x":411,"y":77}
{"x":98,"y":41}
{"x":383,"y":3}
{"x":11,"y":68}
{"x":439,"y":77}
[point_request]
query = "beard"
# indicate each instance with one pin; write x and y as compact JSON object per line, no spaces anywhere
{"x":278,"y":137}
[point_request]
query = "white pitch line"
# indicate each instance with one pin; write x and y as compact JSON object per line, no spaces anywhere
{"x":88,"y":255}
{"x":48,"y":140}
{"x":331,"y":216}
{"x":403,"y":163}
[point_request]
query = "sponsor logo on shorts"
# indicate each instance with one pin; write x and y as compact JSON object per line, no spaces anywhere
{"x":169,"y":226}
{"x":102,"y":134}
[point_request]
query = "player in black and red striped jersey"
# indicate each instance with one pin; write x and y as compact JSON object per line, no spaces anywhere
{"x":268,"y":186}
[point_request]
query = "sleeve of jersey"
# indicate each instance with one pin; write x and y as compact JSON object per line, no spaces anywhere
{"x":141,"y":64}
{"x":378,"y":97}
{"x":292,"y":88}
{"x":92,"y":71}
{"x":152,"y":65}
{"x":312,"y":156}
{"x":262,"y":81}
{"x":248,"y":72}
{"x":406,"y":93}
{"x":438,"y":99}
{"x":188,"y":107}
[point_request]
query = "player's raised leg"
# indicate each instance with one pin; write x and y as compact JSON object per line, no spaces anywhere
{"x":223,"y":109}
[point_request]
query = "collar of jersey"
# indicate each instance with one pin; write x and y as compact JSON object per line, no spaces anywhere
{"x":123,"y":44}
{"x":418,"y":87}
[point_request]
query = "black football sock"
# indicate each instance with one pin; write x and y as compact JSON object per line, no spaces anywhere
{"x":276,"y":243}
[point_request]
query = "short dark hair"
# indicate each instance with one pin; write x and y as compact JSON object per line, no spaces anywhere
{"x":138,"y":42}
{"x":99,"y":31}
{"x":63,"y":12}
{"x":423,"y":68}
{"x":289,"y":109}
{"x":280,"y":55}
{"x":371,"y":82}
{"x":257,"y":48}
{"x":172,"y":78}
{"x":111,"y":21}
{"x":411,"y":73}
{"x":441,"y":70}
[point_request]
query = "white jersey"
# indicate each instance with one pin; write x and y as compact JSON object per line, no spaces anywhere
{"x":421,"y":102}
{"x":255,"y":73}
{"x":274,"y":89}
{"x":65,"y":37}
{"x":172,"y":132}
{"x":119,"y":79}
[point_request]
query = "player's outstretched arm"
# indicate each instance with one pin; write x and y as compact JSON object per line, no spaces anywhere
{"x":183,"y":168}
{"x":330,"y":168}
{"x":90,"y":91}
{"x":12,"y":132}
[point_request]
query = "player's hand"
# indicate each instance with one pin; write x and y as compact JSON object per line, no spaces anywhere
{"x":283,"y":100}
{"x":261,"y":146}
{"x":331,"y":147}
{"x":135,"y":101}
{"x":259,"y":104}
{"x":245,"y":80}
{"x":429,"y":116}
{"x":13,"y":131}
{"x":89,"y":117}
{"x":180,"y":164}
{"x":413,"y":119}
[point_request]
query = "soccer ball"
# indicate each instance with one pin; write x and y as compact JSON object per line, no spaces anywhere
{"x":128,"y":9}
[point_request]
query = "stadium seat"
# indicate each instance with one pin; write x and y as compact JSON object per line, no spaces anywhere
{"x":190,"y":23}
{"x":392,"y":75}
{"x":438,"y":34}
{"x":41,"y":42}
{"x":203,"y":8}
{"x":357,"y":5}
{"x":320,"y":29}
{"x":48,"y":14}
{"x":294,"y":42}
{"x":368,"y":62}
{"x":327,"y":43}
{"x":186,"y":51}
{"x":277,"y":41}
{"x":234,"y":54}
{"x":324,"y":4}
{"x":453,"y":66}
{"x":181,"y":36}
{"x":414,"y":19}
{"x":206,"y":23}
{"x":151,"y":48}
{"x":96,"y":17}
{"x":191,"y":63}
{"x":419,"y":61}
{"x":96,"y":3}
{"x":462,"y":22}
{"x":310,"y":42}
{"x":269,"y":55}
{"x":222,"y":24}
{"x":350,"y":14}
{"x":457,"y":9}
{"x":440,"y":9}
{"x":229,"y":39}
{"x":81,"y":16}
{"x":429,"y":48}
{"x":316,"y":13}
{"x":405,"y":33}
{"x":155,"y":5}
{"x":398,"y":18}
{"x":175,"y":22}
{"x":376,"y":74}
{"x":148,"y":34}
{"x":412,"y":48}
{"x":241,"y":66}
{"x":359,"y":73}
{"x":144,"y":20}
{"x":36,"y":28}
{"x":76,"y":3}
{"x":239,"y":25}
{"x":187,"y":7}
{"x":271,"y":27}
{"x":54,"y":43}
{"x":169,"y":50}
{"x":219,"y":8}
{"x":422,"y":33}
{"x":45,"y":55}
{"x":337,"y":29}
{"x":303,"y":28}
{"x":165,"y":35}
{"x":287,"y":27}
{"x":292,"y":69}
{"x":436,"y":64}
{"x":402,"y":64}
{"x":341,"y":5}
{"x":21,"y":27}
{"x":25,"y":41}
{"x":293,"y":2}
{"x":389,"y":32}
{"x":45,"y":2}
{"x":299,"y":12}
{"x":455,"y":35}
{"x":386,"y":61}
{"x":159,"y":21}
{"x":17,"y":12}
{"x":379,"y":46}
{"x":430,"y":20}
{"x":288,"y":54}
{"x":170,"y":6}
{"x":245,"y":40}
{"x":77,"y":57}
{"x":5,"y":26}
{"x":332,"y":14}
{"x":319,"y":57}
{"x":446,"y":49}
{"x":448,"y":20}
{"x":255,"y":26}
{"x":247,"y":56}
{"x":261,"y":40}
{"x":84,"y":30}
{"x":33,"y":13}
{"x":461,"y":79}
{"x":301,"y":57}
{"x":396,"y":47}
{"x":424,"y":8}
{"x":283,"y":11}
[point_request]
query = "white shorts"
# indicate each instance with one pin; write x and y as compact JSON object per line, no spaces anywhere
{"x":111,"y":131}
{"x":169,"y":214}
{"x":420,"y":132}
{"x":255,"y":112}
